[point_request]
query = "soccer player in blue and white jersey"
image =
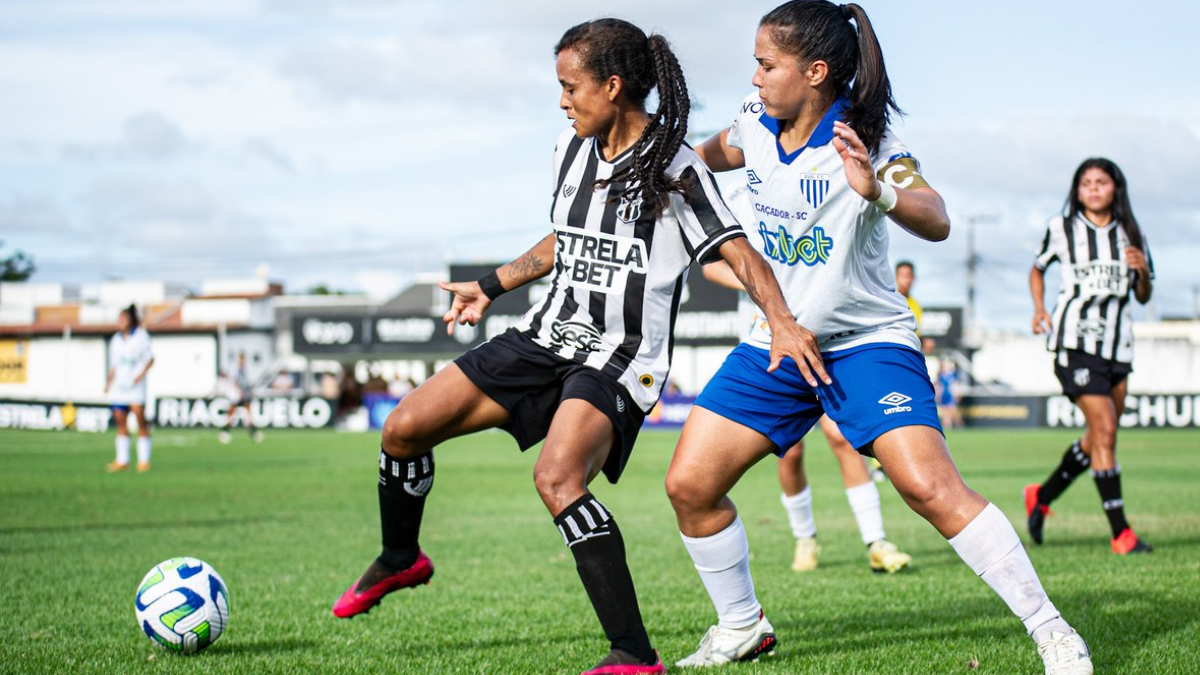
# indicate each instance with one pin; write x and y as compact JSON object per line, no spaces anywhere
{"x":632,"y":207}
{"x":825,"y":175}
{"x":129,"y":359}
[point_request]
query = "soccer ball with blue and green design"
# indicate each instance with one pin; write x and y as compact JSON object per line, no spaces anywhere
{"x":182,"y":605}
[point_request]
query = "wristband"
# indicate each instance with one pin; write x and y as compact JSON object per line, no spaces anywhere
{"x":491,"y":286}
{"x":886,"y":201}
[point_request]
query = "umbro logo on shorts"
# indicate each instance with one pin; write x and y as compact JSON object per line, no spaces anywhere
{"x":620,"y":404}
{"x":896,"y":401}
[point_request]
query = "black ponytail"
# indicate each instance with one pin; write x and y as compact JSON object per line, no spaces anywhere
{"x":608,"y":47}
{"x":1122,"y":211}
{"x":132,"y":313}
{"x":817,"y":30}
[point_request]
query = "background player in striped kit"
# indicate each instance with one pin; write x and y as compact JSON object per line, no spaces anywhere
{"x":1104,"y":260}
{"x":809,"y":124}
{"x":861,"y":493}
{"x":130,"y":358}
{"x":633,"y":207}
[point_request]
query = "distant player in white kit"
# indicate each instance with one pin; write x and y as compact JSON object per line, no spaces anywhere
{"x":129,"y":359}
{"x":826,"y":175}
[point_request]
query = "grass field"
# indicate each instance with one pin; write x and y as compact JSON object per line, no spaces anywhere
{"x":291,"y":522}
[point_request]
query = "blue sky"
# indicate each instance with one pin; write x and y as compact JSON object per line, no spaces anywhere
{"x":360,"y":143}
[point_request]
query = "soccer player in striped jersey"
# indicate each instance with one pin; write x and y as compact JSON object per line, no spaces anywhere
{"x":632,"y":208}
{"x":825,"y":174}
{"x":130,"y":358}
{"x":1104,"y":259}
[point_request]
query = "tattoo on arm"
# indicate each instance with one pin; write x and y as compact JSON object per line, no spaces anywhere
{"x":526,"y":267}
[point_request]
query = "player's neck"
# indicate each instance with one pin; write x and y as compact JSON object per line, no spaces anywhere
{"x":1099,"y":219}
{"x":624,"y":132}
{"x":794,"y":133}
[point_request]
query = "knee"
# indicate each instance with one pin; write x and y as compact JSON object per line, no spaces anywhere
{"x":928,"y":497}
{"x":687,"y":495}
{"x":558,"y":485}
{"x":794,"y":458}
{"x":1104,"y":433}
{"x":402,"y":434}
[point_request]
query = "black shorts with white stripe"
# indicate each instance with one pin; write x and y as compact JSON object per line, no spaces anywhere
{"x":531,"y":382}
{"x":1081,"y":373}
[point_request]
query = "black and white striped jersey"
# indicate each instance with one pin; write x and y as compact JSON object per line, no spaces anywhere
{"x":1093,"y":312}
{"x":619,"y":269}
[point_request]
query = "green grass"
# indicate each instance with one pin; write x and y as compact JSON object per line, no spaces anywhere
{"x":291,"y":522}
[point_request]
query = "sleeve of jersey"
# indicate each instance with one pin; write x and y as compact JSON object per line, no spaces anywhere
{"x":896,"y":166}
{"x":734,"y":138}
{"x":706,"y":222}
{"x":1047,"y":252}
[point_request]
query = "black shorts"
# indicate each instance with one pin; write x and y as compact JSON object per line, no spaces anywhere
{"x":1081,"y":373}
{"x":530,"y":382}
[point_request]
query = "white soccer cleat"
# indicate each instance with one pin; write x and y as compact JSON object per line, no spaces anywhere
{"x":224,"y":438}
{"x":727,"y":645}
{"x":805,"y":559}
{"x":1066,"y":654}
{"x":883,"y":556}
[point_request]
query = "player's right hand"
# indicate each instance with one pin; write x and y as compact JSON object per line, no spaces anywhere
{"x":801,"y":344}
{"x":468,"y":306}
{"x":1041,"y":322}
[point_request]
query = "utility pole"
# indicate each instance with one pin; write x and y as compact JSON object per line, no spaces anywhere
{"x":972,"y":265}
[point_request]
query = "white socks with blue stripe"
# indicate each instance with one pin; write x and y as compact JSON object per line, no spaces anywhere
{"x":723,"y":561}
{"x":990,"y":547}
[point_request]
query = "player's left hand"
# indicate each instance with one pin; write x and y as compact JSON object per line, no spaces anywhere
{"x":468,"y":306}
{"x":859,"y":172}
{"x":1136,"y":259}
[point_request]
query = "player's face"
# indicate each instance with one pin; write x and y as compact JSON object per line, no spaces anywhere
{"x":782,"y":84}
{"x":904,"y":279}
{"x":123,"y":322}
{"x":1096,"y":189}
{"x":587,"y":102}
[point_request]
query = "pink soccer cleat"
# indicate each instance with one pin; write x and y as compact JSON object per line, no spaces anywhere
{"x":352,"y":603}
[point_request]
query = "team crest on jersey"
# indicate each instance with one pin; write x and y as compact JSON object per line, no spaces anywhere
{"x":809,"y":249}
{"x":814,"y":187}
{"x":629,"y":210}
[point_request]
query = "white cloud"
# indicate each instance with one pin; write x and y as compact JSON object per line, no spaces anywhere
{"x":147,"y":135}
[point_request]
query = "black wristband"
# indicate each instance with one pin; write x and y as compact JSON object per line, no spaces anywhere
{"x":491,"y":286}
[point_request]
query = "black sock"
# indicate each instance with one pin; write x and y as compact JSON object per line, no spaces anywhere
{"x":1108,"y":482}
{"x":403,"y":484}
{"x":1074,"y":463}
{"x":592,"y":534}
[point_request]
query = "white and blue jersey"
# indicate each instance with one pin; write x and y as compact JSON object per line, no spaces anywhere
{"x":127,"y":358}
{"x":828,"y":247}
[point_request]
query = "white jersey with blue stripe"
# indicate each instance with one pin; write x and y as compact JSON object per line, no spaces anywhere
{"x":827,"y":246}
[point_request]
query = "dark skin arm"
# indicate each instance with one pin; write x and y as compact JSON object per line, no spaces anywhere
{"x":469,"y":301}
{"x":788,"y":338}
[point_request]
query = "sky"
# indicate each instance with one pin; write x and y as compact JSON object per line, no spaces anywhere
{"x":362,"y":144}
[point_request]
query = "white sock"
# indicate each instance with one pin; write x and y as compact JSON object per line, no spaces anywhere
{"x":990,"y":547}
{"x":800,"y":513}
{"x":864,"y":502}
{"x":723,"y":561}
{"x":122,"y":449}
{"x":143,"y":449}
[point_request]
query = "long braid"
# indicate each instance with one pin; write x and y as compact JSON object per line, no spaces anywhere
{"x":616,"y":47}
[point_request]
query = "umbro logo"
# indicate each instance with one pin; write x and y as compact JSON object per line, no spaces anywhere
{"x":895,"y":401}
{"x":620,"y":404}
{"x":570,"y":190}
{"x":752,"y":178}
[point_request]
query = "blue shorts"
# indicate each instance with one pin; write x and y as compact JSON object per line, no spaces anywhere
{"x":120,"y":407}
{"x":876,"y":388}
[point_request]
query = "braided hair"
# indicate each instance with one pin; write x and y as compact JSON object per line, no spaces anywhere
{"x":608,"y":47}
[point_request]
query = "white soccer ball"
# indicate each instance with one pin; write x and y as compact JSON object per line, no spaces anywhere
{"x":182,"y":605}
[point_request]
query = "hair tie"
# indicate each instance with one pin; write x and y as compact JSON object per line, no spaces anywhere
{"x":846,"y":13}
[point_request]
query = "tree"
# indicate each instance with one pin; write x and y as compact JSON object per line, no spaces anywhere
{"x":16,"y":267}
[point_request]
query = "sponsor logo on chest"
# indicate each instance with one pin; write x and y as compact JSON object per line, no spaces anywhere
{"x":809,"y":249}
{"x":597,"y":261}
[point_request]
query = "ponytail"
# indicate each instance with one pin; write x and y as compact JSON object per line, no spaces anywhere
{"x":817,"y":30}
{"x":609,"y":47}
{"x":132,"y":313}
